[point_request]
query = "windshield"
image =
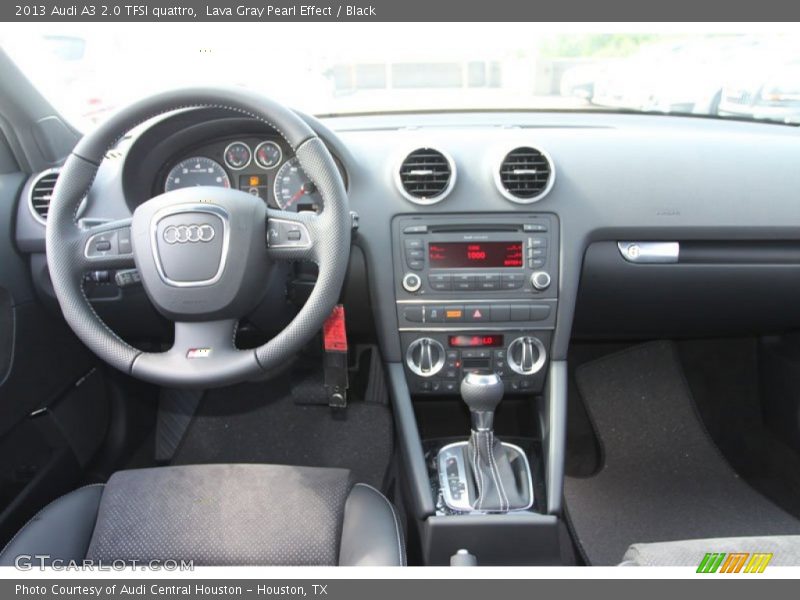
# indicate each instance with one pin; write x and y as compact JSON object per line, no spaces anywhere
{"x":87,"y":70}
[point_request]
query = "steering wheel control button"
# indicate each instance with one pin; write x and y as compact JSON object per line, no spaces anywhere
{"x":287,"y":234}
{"x":411,"y":282}
{"x":124,"y":241}
{"x":114,"y":242}
{"x":190,"y":246}
{"x":540,"y":280}
{"x":102,"y":244}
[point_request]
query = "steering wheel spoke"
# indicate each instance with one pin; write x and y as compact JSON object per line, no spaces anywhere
{"x":107,"y":246}
{"x":293,"y":236}
{"x":203,"y":354}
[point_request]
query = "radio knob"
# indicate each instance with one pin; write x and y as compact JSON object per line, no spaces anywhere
{"x":526,"y":355}
{"x":540,"y":280}
{"x":425,"y":357}
{"x":411,"y":282}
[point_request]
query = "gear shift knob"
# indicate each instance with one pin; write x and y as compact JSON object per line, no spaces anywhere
{"x":482,"y":392}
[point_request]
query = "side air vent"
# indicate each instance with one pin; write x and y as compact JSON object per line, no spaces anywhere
{"x":426,"y":176}
{"x":525,"y":175}
{"x":41,"y":192}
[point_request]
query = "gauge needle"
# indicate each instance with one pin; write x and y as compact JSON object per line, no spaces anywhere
{"x":300,"y":193}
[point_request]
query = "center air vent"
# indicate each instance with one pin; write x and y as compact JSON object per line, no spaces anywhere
{"x":41,"y":192}
{"x":426,"y":176}
{"x":525,"y":175}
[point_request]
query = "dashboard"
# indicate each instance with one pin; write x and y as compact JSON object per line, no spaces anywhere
{"x":601,"y":188}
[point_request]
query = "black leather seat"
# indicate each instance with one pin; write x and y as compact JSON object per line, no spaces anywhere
{"x":218,"y":515}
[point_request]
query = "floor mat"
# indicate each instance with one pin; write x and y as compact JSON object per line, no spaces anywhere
{"x":259,"y":422}
{"x":662,"y":478}
{"x":727,"y":384}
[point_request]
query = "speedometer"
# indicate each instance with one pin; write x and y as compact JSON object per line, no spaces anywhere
{"x":195,"y":171}
{"x":294,"y":190}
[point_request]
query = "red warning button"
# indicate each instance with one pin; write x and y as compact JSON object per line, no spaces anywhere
{"x":477,"y":313}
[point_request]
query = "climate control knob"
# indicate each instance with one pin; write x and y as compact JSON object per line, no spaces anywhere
{"x":540,"y":280}
{"x":411,"y":282}
{"x":425,"y":357}
{"x":526,"y":355}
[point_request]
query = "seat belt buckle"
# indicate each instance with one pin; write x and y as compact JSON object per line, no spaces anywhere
{"x":334,"y":335}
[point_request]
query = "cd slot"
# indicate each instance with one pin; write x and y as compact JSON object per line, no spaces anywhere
{"x":463,"y":228}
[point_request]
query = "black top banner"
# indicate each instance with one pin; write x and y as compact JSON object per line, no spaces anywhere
{"x":397,"y":10}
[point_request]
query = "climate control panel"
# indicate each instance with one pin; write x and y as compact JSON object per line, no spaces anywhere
{"x":436,"y":362}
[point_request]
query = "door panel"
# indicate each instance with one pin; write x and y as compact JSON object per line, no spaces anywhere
{"x":43,"y":367}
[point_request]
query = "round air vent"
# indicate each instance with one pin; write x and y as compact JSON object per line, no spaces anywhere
{"x":426,"y":176}
{"x":525,"y":175}
{"x":41,"y":192}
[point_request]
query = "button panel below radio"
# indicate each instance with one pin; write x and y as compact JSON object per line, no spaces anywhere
{"x":476,"y":313}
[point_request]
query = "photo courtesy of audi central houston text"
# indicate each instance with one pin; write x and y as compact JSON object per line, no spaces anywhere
{"x":448,"y":300}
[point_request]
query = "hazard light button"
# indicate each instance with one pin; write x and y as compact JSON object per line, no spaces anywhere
{"x":477,"y":313}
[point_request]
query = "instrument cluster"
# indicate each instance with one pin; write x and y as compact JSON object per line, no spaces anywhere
{"x":261,"y":166}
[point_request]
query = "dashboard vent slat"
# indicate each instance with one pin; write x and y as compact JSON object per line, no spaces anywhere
{"x":426,"y":176}
{"x":525,"y":175}
{"x":41,"y":193}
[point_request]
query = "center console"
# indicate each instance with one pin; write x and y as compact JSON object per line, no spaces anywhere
{"x":476,"y":293}
{"x":476,"y":299}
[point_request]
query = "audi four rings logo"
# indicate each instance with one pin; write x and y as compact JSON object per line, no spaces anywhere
{"x":189,"y":234}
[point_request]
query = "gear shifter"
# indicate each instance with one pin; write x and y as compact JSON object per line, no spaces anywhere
{"x":482,"y":394}
{"x":484,"y":474}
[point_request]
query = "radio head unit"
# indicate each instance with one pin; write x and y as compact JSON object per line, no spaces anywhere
{"x":467,"y":255}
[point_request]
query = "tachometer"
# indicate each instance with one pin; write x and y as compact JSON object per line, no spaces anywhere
{"x":237,"y":155}
{"x":294,"y":189}
{"x":195,"y":171}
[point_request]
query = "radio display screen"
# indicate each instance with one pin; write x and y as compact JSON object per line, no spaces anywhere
{"x":480,"y":255}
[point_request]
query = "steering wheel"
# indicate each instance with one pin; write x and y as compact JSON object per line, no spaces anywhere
{"x":203,"y":253}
